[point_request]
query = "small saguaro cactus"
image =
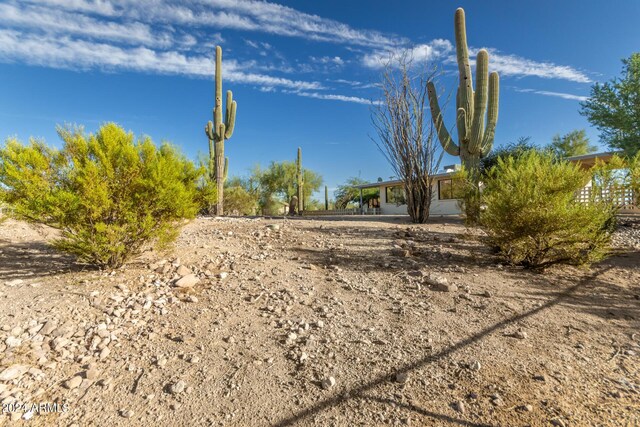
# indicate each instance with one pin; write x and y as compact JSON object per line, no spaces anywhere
{"x":300,"y":181}
{"x":475,"y":140}
{"x":218,"y":131}
{"x":326,"y":198}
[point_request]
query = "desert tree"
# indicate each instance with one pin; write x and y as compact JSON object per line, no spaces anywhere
{"x":405,"y":134}
{"x":575,"y":143}
{"x":614,"y":108}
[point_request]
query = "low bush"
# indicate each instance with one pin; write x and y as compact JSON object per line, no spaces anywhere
{"x":532,"y":216}
{"x":469,"y":194}
{"x":238,"y":201}
{"x":108,"y":194}
{"x":206,"y":193}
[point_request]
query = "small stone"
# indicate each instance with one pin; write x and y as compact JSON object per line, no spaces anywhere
{"x":223,"y":275}
{"x":126,"y":413}
{"x":475,"y":366}
{"x":329,"y":382}
{"x":320,"y":324}
{"x":91,"y":374}
{"x":520,"y":334}
{"x":13,"y":372}
{"x":105,"y":353}
{"x":459,"y":406}
{"x":183,"y":271}
{"x":194,"y":359}
{"x":525,"y":408}
{"x":187,"y":281}
{"x":402,"y":377}
{"x":496,"y":400}
{"x":73,"y":382}
{"x":178,"y":387}
{"x":13,"y":342}
{"x":557,"y":422}
{"x":441,"y":284}
{"x":540,"y":378}
{"x":192,"y":298}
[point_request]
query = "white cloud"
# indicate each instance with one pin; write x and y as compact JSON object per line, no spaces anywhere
{"x":505,"y":64}
{"x":433,"y":51}
{"x":556,"y":94}
{"x":334,"y":60}
{"x":248,"y":15}
{"x":74,"y":54}
{"x":512,"y":65}
{"x":334,"y":97}
{"x":60,"y":22}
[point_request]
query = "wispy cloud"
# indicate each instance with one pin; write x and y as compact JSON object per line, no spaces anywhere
{"x":512,"y":65}
{"x":505,"y":64}
{"x":79,"y":54}
{"x":556,"y":94}
{"x":247,"y":15}
{"x":435,"y":50}
{"x":333,"y":97}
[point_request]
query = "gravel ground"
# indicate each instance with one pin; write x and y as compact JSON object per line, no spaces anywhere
{"x":357,"y":322}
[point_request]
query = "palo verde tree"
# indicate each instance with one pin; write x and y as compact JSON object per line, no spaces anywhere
{"x":475,"y":139}
{"x":217,"y":132}
{"x":614,"y":108}
{"x":349,"y":193}
{"x":108,"y":194}
{"x":575,"y":143}
{"x":405,"y":135}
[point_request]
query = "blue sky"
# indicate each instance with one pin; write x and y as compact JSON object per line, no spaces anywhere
{"x":303,"y":72}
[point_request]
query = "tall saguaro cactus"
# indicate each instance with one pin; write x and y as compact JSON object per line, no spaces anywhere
{"x":300,"y":181}
{"x":475,"y":139}
{"x":218,"y":131}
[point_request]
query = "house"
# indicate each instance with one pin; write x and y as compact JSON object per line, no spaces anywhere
{"x":446,"y":191}
{"x":445,"y":200}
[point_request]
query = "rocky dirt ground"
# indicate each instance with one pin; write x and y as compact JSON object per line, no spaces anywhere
{"x":280,"y":322}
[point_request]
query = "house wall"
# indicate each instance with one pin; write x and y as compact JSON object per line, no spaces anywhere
{"x":438,"y":207}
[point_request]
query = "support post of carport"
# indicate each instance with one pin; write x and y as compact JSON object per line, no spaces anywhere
{"x":361,"y":206}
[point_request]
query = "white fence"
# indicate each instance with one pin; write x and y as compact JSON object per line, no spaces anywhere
{"x":622,"y":197}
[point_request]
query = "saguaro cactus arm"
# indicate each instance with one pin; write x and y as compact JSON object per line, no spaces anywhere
{"x":443,"y":134}
{"x":492,"y":115}
{"x":480,"y":101}
{"x":230,"y":119}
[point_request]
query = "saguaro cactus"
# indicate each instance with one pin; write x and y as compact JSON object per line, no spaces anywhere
{"x":326,"y":198}
{"x":475,"y":139}
{"x":300,"y":181}
{"x":218,"y":131}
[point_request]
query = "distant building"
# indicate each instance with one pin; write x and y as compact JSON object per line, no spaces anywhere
{"x":447,"y":190}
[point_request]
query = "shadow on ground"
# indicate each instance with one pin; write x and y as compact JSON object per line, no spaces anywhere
{"x":34,"y":259}
{"x":362,"y":392}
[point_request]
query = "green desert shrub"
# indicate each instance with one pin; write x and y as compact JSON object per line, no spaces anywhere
{"x":109,"y":194}
{"x":532,"y":216}
{"x":238,"y":201}
{"x":206,"y":193}
{"x":469,"y":196}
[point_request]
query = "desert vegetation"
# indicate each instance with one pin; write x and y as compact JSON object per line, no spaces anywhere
{"x":141,"y":285}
